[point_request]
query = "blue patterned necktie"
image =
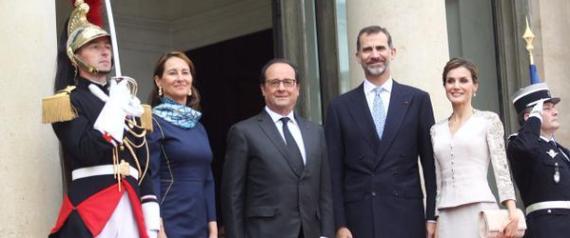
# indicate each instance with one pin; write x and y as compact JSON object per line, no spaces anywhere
{"x":378,"y":112}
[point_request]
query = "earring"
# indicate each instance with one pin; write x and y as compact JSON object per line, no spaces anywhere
{"x":159,"y":91}
{"x":475,"y":94}
{"x":190,"y":92}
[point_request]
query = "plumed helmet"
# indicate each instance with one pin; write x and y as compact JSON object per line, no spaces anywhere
{"x":80,"y":32}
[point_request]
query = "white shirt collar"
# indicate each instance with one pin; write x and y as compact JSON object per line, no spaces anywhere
{"x":276,"y":116}
{"x":98,"y":83}
{"x":546,"y":139}
{"x":387,"y":86}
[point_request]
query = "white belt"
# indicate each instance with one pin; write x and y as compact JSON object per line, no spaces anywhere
{"x":100,"y":170}
{"x":548,"y":205}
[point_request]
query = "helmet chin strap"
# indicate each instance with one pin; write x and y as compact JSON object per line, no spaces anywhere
{"x":89,"y":68}
{"x":103,"y":72}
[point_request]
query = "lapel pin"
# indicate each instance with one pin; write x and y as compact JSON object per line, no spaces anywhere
{"x":552,"y":153}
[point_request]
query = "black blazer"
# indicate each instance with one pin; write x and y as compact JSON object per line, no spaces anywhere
{"x":376,"y":183}
{"x":265,"y":193}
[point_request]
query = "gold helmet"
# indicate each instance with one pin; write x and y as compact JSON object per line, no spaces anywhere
{"x":80,"y":32}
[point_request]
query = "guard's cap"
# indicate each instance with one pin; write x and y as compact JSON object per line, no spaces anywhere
{"x":530,"y":95}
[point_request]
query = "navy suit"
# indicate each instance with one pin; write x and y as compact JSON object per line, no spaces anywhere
{"x":376,"y":183}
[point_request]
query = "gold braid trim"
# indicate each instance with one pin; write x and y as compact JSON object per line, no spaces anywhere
{"x":58,"y":107}
{"x":122,"y":167}
{"x":147,"y":161}
{"x":146,"y":118}
{"x":134,"y":155}
{"x":117,"y":174}
{"x":130,"y":145}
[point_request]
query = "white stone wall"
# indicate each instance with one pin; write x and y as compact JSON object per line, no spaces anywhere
{"x":29,"y":162}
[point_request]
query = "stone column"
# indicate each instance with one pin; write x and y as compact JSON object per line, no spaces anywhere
{"x":29,"y":162}
{"x":549,"y":20}
{"x":419,"y":34}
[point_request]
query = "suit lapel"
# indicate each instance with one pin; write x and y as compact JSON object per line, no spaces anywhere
{"x":309,"y":141}
{"x":270,"y":130}
{"x":565,"y":153}
{"x":362,"y":117}
{"x":399,"y":103}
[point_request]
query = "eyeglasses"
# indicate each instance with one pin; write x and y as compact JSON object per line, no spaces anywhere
{"x":287,"y":83}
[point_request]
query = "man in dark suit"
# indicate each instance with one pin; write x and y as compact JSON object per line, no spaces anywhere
{"x":375,"y":134}
{"x":276,"y":180}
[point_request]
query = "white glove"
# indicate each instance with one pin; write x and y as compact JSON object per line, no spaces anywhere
{"x":131,"y":104}
{"x":120,"y":93}
{"x":134,"y":107}
{"x":536,"y":110}
{"x":151,"y":213}
{"x":111,"y":120}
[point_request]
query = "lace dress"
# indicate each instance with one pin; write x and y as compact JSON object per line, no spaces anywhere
{"x":462,"y":161}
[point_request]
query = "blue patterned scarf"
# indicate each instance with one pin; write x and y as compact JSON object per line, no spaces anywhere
{"x":177,"y":114}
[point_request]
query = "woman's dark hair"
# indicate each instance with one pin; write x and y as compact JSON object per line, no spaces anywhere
{"x":65,"y":73}
{"x":193,"y":101}
{"x":460,"y":62}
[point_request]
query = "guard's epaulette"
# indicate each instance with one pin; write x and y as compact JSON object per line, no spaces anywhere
{"x":58,"y":107}
{"x":511,"y":136}
{"x":146,"y":118}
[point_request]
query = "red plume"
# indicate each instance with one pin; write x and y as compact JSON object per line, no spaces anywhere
{"x":94,"y":15}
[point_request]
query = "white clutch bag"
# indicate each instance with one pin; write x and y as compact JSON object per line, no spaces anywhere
{"x":492,"y":222}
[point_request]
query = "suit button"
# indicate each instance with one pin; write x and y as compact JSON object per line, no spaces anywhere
{"x":373,"y":194}
{"x":395,"y":193}
{"x":549,"y":211}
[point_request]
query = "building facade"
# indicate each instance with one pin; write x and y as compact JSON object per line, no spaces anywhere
{"x":229,"y":40}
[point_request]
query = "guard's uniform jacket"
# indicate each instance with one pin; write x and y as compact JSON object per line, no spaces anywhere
{"x":93,"y":192}
{"x":542,"y":172}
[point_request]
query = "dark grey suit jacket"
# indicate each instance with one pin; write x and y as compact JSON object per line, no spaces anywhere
{"x":267,"y":194}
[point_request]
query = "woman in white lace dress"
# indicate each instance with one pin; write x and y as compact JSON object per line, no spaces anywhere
{"x":464,"y":145}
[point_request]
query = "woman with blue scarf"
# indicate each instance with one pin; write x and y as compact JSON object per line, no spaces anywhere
{"x":180,"y":152}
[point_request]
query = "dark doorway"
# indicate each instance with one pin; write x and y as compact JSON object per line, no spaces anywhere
{"x":227,"y":77}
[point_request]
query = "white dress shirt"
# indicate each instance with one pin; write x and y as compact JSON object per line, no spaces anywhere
{"x":384,"y":94}
{"x":293,"y":128}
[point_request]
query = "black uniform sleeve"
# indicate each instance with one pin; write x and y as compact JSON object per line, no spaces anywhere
{"x":525,"y":143}
{"x":84,"y":143}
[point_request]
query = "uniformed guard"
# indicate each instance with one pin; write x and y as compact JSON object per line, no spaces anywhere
{"x":97,"y":120}
{"x":540,"y":165}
